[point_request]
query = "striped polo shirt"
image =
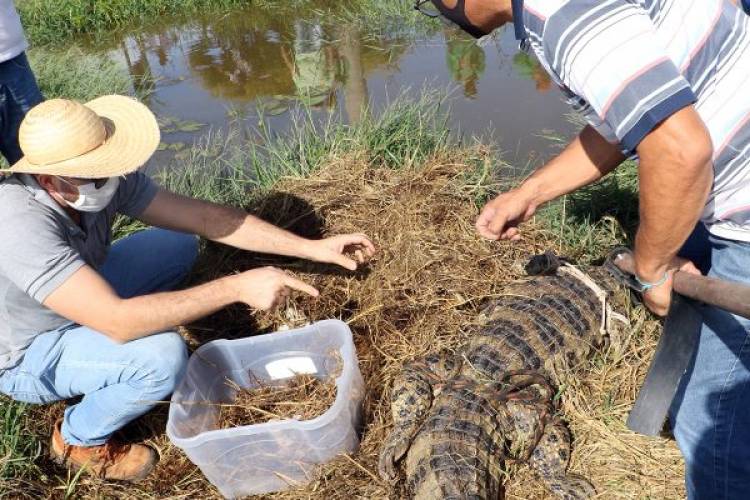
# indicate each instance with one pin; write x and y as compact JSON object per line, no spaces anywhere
{"x":626,"y":65}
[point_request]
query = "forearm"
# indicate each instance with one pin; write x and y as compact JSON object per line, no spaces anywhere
{"x":585,"y":160}
{"x":148,"y":314}
{"x":673,"y":192}
{"x":223,"y":224}
{"x":256,"y":235}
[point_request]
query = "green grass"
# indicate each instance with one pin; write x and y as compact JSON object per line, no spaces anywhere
{"x":48,"y":21}
{"x":592,"y":220}
{"x":223,"y":167}
{"x":73,"y":74}
{"x":53,"y":21}
{"x":18,"y":448}
{"x":387,"y":19}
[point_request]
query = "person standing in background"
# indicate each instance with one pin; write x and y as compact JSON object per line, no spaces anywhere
{"x":19,"y":91}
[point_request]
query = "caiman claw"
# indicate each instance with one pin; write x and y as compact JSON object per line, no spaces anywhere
{"x":394,"y":449}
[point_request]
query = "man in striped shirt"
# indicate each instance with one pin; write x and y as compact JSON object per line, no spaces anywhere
{"x":664,"y":80}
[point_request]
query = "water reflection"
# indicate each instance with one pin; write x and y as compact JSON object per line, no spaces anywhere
{"x":465,"y":61}
{"x":268,"y":60}
{"x":315,"y":65}
{"x":355,"y":83}
{"x":257,"y":61}
{"x":136,"y":60}
{"x":241,"y":60}
{"x":528,"y":67}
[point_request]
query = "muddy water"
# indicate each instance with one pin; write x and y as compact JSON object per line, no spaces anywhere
{"x":211,"y":70}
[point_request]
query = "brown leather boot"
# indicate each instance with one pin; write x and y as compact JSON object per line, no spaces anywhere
{"x":112,"y":460}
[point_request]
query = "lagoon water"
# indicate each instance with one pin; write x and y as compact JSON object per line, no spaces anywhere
{"x":211,"y":70}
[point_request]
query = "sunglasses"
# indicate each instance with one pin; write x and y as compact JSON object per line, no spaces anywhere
{"x":78,"y":181}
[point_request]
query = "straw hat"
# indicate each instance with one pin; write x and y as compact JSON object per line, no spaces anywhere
{"x":110,"y":136}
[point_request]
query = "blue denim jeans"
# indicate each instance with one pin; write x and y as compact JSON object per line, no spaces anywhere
{"x":18,"y":94}
{"x":119,"y":382}
{"x":711,"y":413}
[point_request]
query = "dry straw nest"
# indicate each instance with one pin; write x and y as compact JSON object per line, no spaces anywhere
{"x":421,"y":292}
{"x":303,"y":397}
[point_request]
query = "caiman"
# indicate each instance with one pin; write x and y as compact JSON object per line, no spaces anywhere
{"x":460,"y":418}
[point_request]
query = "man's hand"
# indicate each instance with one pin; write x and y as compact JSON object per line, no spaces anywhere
{"x":659,"y":298}
{"x":266,"y":288}
{"x":334,"y":250}
{"x":500,"y":217}
{"x":586,"y":159}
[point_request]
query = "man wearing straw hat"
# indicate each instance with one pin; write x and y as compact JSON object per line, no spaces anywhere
{"x":78,"y":317}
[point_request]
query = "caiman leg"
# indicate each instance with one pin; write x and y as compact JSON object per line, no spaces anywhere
{"x":411,"y":399}
{"x":550,"y":460}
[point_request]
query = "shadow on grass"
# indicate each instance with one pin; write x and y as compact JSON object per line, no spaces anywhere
{"x":615,"y":196}
{"x":592,"y":220}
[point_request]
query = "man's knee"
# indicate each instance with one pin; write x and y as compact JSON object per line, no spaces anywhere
{"x":181,"y":252}
{"x":163,"y":365}
{"x":185,"y":249}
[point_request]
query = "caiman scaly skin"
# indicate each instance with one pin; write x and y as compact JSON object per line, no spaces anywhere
{"x":460,"y":418}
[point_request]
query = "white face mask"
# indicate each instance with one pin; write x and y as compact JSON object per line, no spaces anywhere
{"x":91,"y":198}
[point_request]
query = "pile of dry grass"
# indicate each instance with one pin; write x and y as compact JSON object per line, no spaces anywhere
{"x":303,"y":397}
{"x":420,"y":294}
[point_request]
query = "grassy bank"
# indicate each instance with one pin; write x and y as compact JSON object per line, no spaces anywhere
{"x":237,"y":166}
{"x":54,"y":21}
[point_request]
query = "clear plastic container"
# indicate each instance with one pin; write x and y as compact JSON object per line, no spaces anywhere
{"x":275,"y":455}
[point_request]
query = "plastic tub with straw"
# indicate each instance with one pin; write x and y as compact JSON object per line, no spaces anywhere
{"x":274,"y":455}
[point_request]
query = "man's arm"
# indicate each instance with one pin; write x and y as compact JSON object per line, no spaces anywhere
{"x":239,"y":229}
{"x":87,"y":299}
{"x":222,"y":224}
{"x":675,"y":177}
{"x":585,"y":160}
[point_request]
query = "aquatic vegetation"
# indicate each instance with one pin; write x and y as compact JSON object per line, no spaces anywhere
{"x":400,"y":136}
{"x":75,"y":74}
{"x":49,"y":21}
